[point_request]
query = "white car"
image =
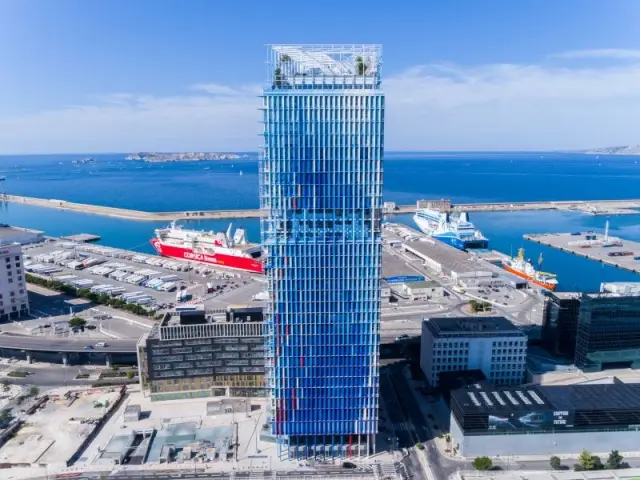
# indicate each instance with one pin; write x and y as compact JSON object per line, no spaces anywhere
{"x":101,"y":344}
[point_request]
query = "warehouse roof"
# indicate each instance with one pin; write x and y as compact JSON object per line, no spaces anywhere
{"x":483,"y":398}
{"x":423,"y":284}
{"x":422,"y":246}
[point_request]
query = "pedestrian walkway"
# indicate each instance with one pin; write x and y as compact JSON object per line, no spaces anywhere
{"x":387,"y":471}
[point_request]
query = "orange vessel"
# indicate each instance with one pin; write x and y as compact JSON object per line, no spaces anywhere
{"x":523,"y":268}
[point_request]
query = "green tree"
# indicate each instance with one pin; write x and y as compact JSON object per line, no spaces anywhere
{"x":615,"y":460}
{"x":482,"y":463}
{"x":77,"y":322}
{"x":555,"y":462}
{"x":361,"y":67}
{"x":586,"y":460}
{"x":473,"y":305}
{"x":103,"y":298}
{"x":5,"y":385}
{"x":130,"y":375}
{"x":82,"y":292}
{"x":34,"y":391}
{"x":597,"y":463}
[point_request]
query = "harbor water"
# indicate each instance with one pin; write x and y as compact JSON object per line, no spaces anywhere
{"x":462,"y":177}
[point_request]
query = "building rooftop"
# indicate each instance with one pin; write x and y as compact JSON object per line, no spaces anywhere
{"x":396,"y":267}
{"x":472,"y":327}
{"x":421,"y":245}
{"x":423,"y":284}
{"x":9,"y":234}
{"x":483,"y":398}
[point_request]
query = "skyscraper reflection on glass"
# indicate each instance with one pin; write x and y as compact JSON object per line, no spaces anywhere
{"x":321,"y":192}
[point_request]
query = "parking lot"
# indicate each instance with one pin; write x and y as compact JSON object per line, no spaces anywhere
{"x":151,"y":281}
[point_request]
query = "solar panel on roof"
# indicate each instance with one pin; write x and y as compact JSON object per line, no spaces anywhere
{"x":536,"y":397}
{"x":499,"y":398}
{"x":486,"y":398}
{"x":523,"y":398}
{"x":510,"y":397}
{"x":474,"y":399}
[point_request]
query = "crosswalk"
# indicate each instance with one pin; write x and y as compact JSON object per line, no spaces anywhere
{"x":388,"y":470}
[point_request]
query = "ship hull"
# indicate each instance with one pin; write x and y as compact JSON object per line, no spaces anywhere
{"x":246,"y":264}
{"x":462,"y":244}
{"x":548,"y":286}
{"x":431,"y":228}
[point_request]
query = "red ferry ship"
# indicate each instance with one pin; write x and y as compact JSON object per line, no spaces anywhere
{"x":212,"y":248}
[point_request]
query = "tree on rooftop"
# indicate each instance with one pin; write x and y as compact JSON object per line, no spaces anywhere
{"x":555,"y":462}
{"x":361,"y":67}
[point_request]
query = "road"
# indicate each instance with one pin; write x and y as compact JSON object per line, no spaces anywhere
{"x":49,"y":344}
{"x":185,"y":475}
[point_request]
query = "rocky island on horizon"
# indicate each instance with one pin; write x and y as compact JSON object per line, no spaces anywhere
{"x":623,"y":150}
{"x":181,"y":157}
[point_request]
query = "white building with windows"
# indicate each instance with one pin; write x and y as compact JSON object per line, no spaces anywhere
{"x":423,"y":290}
{"x":492,"y":345}
{"x":14,"y":301}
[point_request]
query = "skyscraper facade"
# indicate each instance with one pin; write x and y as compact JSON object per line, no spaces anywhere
{"x":321,"y":192}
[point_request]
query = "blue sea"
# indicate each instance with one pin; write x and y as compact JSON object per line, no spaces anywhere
{"x":459,"y":176}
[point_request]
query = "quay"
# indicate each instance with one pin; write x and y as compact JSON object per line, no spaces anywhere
{"x":593,"y":207}
{"x":612,"y":251}
{"x":82,"y":238}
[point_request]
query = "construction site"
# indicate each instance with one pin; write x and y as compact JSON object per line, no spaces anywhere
{"x":53,"y":429}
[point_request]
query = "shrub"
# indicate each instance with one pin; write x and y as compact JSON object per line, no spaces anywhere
{"x":482,"y":463}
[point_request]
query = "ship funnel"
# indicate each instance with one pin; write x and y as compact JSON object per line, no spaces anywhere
{"x":240,"y":237}
{"x":606,"y":231}
{"x":228,"y":234}
{"x":464,"y":217}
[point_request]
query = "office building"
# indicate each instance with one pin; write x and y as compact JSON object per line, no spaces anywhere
{"x":608,"y":334}
{"x":560,"y":323}
{"x":321,"y":192}
{"x":14,"y":300}
{"x":492,"y":345}
{"x":545,"y":420}
{"x":191,"y":355}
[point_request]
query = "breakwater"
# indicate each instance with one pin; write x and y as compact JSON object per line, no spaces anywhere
{"x":594,"y":207}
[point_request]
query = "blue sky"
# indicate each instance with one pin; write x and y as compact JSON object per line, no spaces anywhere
{"x":126,"y":75}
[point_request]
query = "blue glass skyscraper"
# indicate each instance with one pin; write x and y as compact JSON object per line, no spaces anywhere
{"x":321,"y":192}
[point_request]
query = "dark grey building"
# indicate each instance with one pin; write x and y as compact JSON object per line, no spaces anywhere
{"x":560,"y":323}
{"x":545,"y":420}
{"x":192,"y":355}
{"x":608,"y":333}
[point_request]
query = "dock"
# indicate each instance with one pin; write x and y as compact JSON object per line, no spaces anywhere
{"x":593,"y":207}
{"x":82,"y":238}
{"x":619,"y":253}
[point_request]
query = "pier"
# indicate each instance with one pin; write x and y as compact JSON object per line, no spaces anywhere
{"x":612,"y":251}
{"x":593,"y":207}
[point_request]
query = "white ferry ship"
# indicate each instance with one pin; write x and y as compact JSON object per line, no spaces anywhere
{"x":454,"y":229}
